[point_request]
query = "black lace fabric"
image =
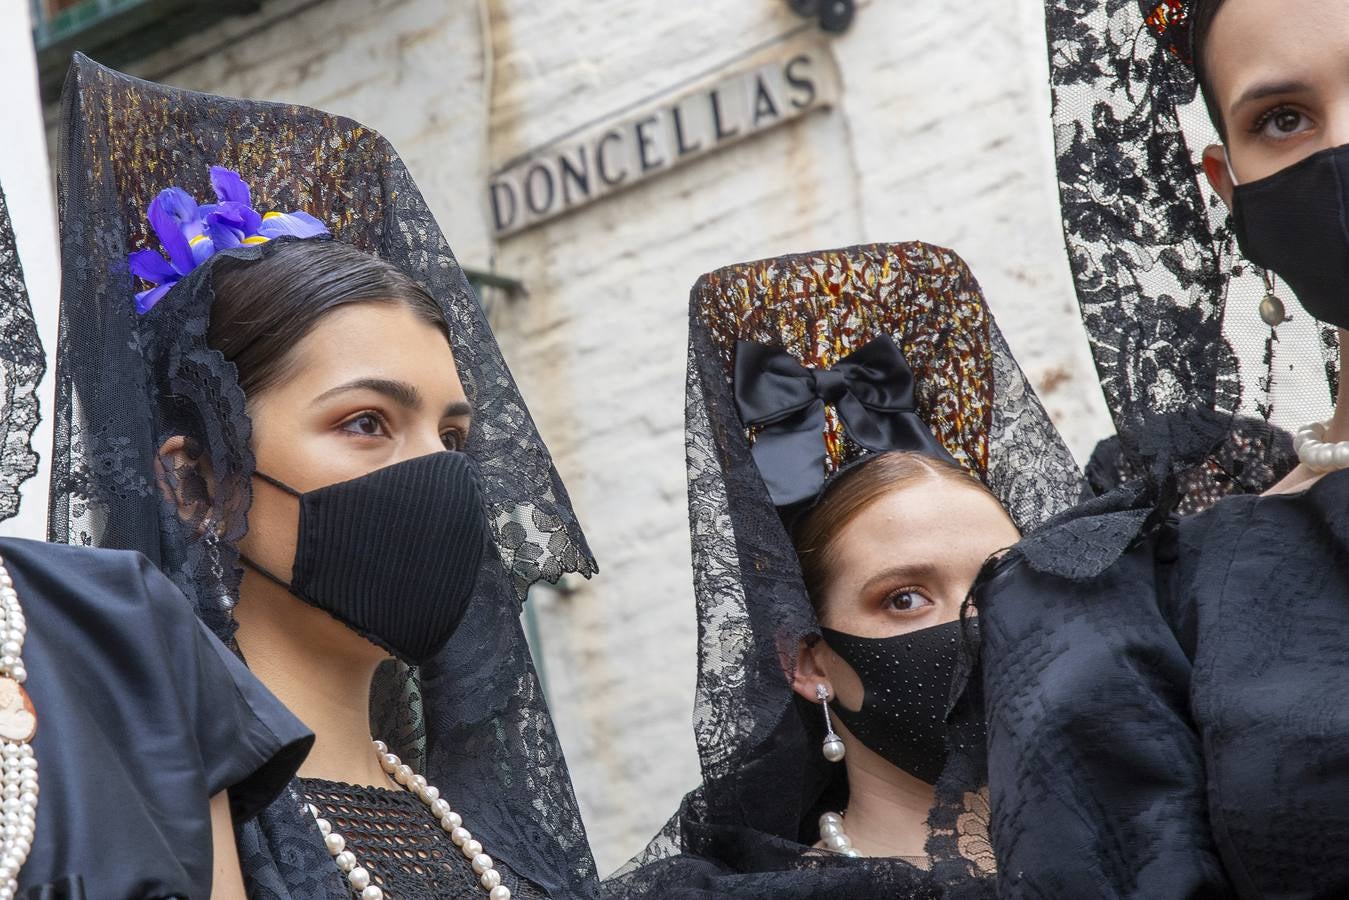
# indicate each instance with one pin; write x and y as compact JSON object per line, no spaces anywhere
{"x":22,"y":365}
{"x":749,"y":828}
{"x":1251,"y":455}
{"x":395,"y":838}
{"x":475,"y":720}
{"x":1169,"y":306}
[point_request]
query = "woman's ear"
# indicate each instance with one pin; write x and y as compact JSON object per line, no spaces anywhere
{"x":1218,"y":172}
{"x":185,"y":479}
{"x":809,"y":674}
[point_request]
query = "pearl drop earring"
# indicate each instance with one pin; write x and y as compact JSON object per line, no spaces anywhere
{"x":833,"y":748}
{"x":1272,"y":311}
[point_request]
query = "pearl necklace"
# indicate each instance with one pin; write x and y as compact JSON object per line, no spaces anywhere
{"x":1314,"y":451}
{"x":359,"y":877}
{"x":18,"y":762}
{"x":834,"y":837}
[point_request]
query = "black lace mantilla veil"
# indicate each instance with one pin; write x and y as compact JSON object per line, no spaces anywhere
{"x":475,"y":721}
{"x":1170,"y":308}
{"x":22,"y":365}
{"x":745,"y":831}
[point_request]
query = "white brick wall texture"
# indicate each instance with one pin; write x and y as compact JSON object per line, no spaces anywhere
{"x":942,"y":134}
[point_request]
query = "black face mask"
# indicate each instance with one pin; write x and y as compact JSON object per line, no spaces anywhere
{"x":1296,"y":223}
{"x":906,"y":681}
{"x":393,"y":555}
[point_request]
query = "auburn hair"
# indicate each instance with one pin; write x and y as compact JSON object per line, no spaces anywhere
{"x":817,"y":532}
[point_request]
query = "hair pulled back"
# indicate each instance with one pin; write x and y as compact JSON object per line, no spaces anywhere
{"x":264,"y":308}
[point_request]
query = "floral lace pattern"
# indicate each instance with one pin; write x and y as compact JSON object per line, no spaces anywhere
{"x":22,"y":365}
{"x":1169,"y":307}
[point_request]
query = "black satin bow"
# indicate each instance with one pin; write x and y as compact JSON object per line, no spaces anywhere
{"x":871,"y":389}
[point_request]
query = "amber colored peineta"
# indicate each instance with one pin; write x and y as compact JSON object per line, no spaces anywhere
{"x":1170,"y":22}
{"x":822,"y":306}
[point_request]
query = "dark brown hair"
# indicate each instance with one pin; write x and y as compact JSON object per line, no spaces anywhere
{"x":853,"y":491}
{"x":263,"y":309}
{"x":1202,"y":13}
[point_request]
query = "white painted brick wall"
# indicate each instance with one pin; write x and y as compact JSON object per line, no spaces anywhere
{"x":942,"y":135}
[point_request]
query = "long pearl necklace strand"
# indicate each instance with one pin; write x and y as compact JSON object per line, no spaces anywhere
{"x":834,"y":837}
{"x":359,"y":877}
{"x":1316,"y":453}
{"x":18,"y":762}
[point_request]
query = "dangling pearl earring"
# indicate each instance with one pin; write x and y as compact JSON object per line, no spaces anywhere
{"x":833,"y":748}
{"x":1272,"y":311}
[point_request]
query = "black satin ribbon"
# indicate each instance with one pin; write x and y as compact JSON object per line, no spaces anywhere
{"x":871,"y":389}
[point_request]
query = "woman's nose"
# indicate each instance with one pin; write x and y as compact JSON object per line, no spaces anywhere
{"x":423,"y":443}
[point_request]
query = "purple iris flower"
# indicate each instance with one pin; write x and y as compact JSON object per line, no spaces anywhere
{"x":190,"y":232}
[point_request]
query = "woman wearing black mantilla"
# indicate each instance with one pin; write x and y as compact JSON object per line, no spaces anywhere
{"x":1165,"y":695}
{"x":275,"y":381}
{"x":860,"y":440}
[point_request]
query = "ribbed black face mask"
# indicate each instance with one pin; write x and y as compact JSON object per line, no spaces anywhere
{"x":906,"y":681}
{"x":393,"y":555}
{"x":1296,"y":223}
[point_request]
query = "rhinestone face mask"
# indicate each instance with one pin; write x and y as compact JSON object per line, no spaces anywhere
{"x":906,"y":681}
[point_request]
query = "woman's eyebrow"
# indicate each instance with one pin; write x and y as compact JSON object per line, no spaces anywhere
{"x":904,"y":571}
{"x":400,"y":392}
{"x":1265,"y":89}
{"x":457,"y":409}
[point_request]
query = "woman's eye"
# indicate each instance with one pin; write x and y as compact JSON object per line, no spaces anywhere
{"x":1282,"y":123}
{"x":366,"y":425}
{"x":907,"y":601}
{"x":453,"y":440}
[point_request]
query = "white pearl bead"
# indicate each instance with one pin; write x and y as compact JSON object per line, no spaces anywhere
{"x":829,"y":829}
{"x":831,"y":817}
{"x":852,"y":853}
{"x":838,"y":843}
{"x":324,"y":826}
{"x":440,"y":809}
{"x":481,"y":863}
{"x":313,"y":810}
{"x":490,"y":879}
{"x":451,"y":821}
{"x":1340,"y":456}
{"x":402,"y":774}
{"x":372,"y":892}
{"x":419,"y":781}
{"x":500,"y":892}
{"x":346,"y":861}
{"x":359,"y":878}
{"x":834,"y":750}
{"x":430,"y":793}
{"x":381,"y":747}
{"x":1325,"y":456}
{"x":11,"y":648}
{"x":460,"y":835}
{"x":335,"y":843}
{"x":388,"y":762}
{"x":471,"y":848}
